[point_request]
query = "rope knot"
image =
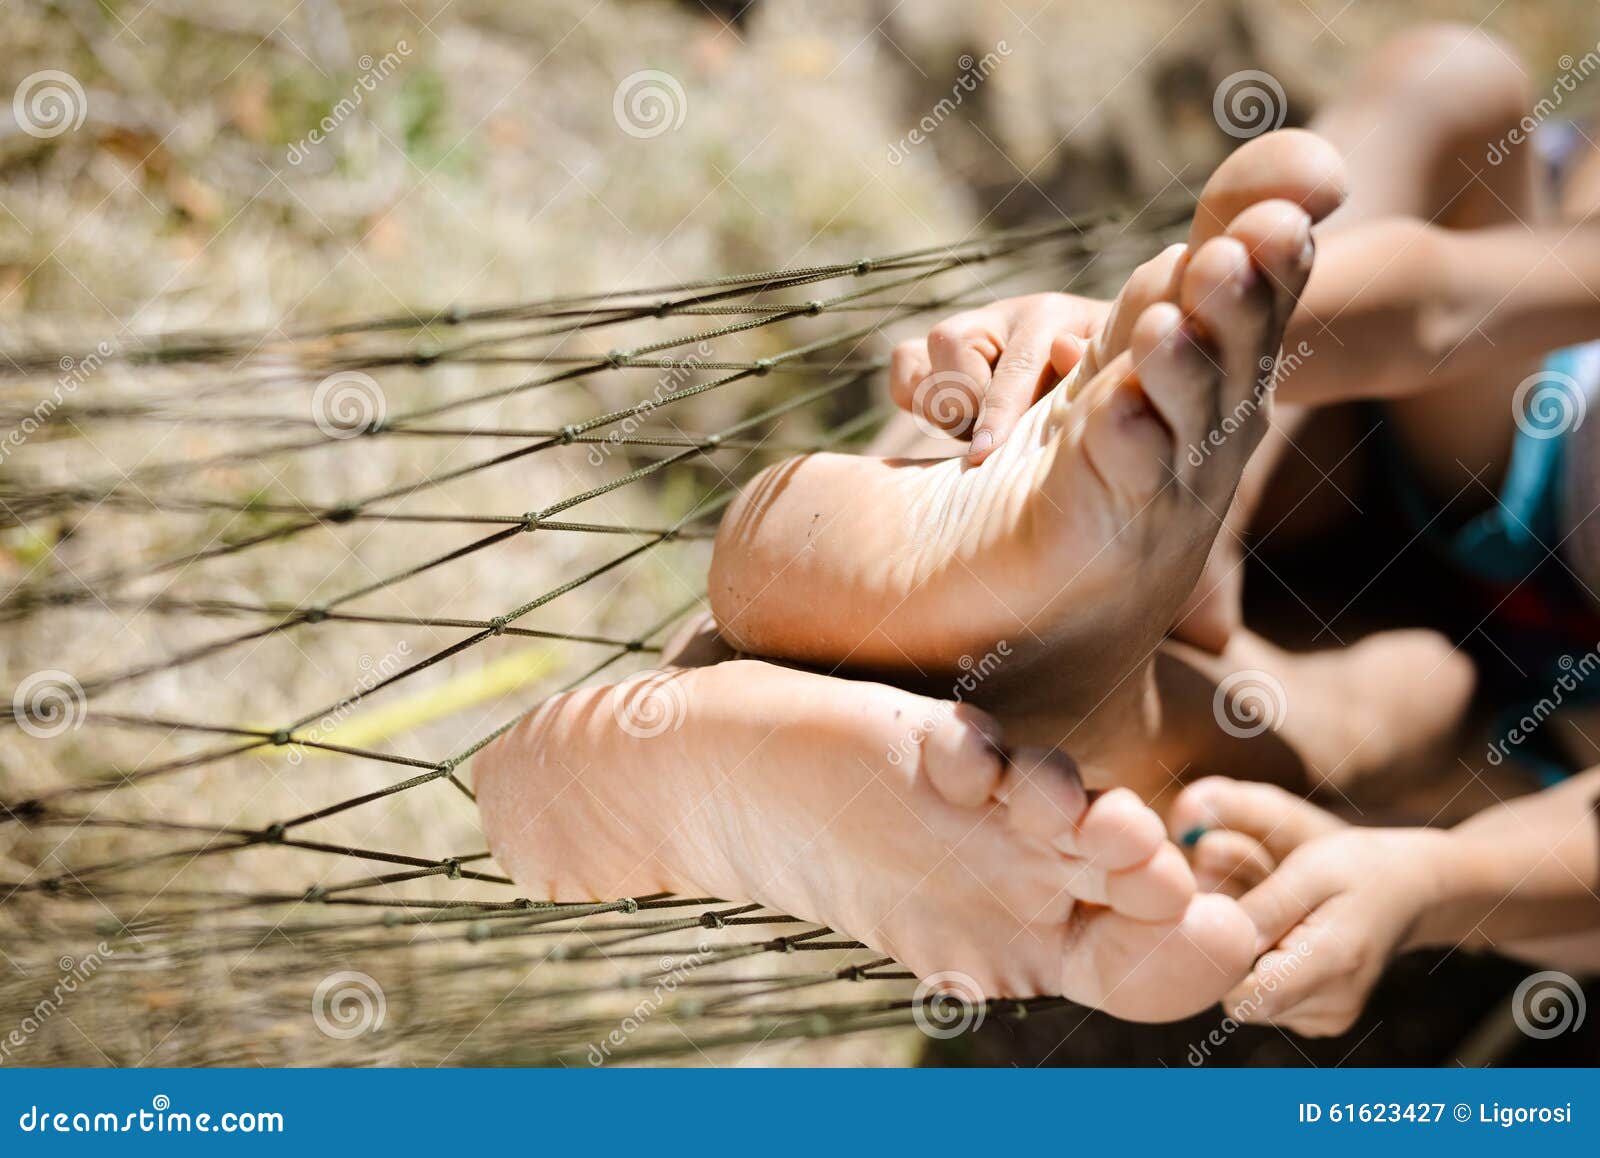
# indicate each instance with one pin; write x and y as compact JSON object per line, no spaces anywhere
{"x":452,"y":867}
{"x":314,"y":893}
{"x":498,"y":625}
{"x":762,"y":367}
{"x":316,"y":614}
{"x":619,"y":358}
{"x":712,"y":921}
{"x":343,"y":513}
{"x":281,"y":737}
{"x":814,"y":307}
{"x":530,"y":522}
{"x":274,"y":833}
{"x":568,"y":433}
{"x":864,"y":266}
{"x":629,"y":905}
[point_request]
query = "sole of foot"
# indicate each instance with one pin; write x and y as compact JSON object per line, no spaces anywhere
{"x":893,"y":818}
{"x":1079,"y":539}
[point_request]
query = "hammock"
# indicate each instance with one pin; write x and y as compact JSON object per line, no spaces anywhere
{"x":229,"y":834}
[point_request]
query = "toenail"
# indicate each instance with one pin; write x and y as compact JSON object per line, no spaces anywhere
{"x":1192,"y":837}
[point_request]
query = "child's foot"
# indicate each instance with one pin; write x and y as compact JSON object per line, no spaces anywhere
{"x":1083,"y":534}
{"x":888,"y":816}
{"x":1387,"y":707}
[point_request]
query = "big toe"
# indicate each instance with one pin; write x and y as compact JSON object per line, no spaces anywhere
{"x":1147,"y":971}
{"x":1289,"y":165}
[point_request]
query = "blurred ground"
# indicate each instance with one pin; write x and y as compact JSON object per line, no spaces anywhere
{"x":491,"y":161}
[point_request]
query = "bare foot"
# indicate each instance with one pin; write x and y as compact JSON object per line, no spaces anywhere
{"x":1384,"y":709}
{"x":891,"y":817}
{"x":1083,"y":534}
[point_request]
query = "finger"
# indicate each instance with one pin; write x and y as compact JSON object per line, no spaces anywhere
{"x":1066,"y":351}
{"x":1279,"y":821}
{"x":1230,"y":863}
{"x":908,"y":365}
{"x":962,"y":352}
{"x":1284,"y":978}
{"x":1022,"y":374}
{"x":1287,"y":897}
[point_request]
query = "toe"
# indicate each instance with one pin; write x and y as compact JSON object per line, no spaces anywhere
{"x":1231,"y":305}
{"x":1277,"y":235}
{"x":1157,"y":890}
{"x":1124,"y":439}
{"x":1154,"y":281}
{"x":1117,"y":832}
{"x":1290,"y":165}
{"x":1154,"y":971}
{"x":1042,"y":793}
{"x":1177,"y":374}
{"x":961,"y":754}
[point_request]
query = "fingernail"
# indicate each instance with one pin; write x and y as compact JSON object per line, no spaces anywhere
{"x":982,"y":443}
{"x":1192,"y":837}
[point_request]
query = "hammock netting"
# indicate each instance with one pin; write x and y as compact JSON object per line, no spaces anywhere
{"x":270,"y":592}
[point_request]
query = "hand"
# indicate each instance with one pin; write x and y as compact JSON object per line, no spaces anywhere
{"x":1332,"y":902}
{"x":977,"y":373}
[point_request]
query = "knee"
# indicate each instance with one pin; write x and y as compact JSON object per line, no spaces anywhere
{"x":1454,"y":69}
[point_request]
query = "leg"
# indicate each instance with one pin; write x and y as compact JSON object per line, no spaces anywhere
{"x":1415,"y":130}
